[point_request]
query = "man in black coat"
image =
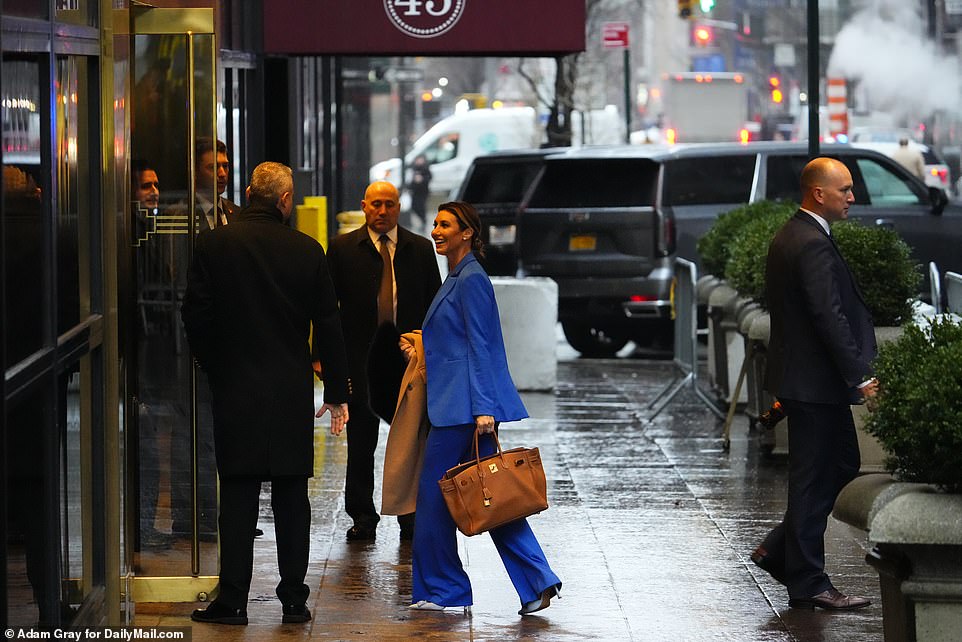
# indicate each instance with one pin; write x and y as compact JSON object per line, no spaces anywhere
{"x":255,"y":289}
{"x":357,"y":269}
{"x":818,"y":362}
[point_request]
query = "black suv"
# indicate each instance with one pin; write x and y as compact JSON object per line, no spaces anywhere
{"x":607,"y":223}
{"x":496,"y":184}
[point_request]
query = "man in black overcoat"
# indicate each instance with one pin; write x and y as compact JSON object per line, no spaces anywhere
{"x":357,"y":269}
{"x":818,"y":363}
{"x":255,"y":289}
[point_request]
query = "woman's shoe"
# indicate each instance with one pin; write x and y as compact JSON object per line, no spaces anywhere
{"x":424,"y":605}
{"x":542,"y":602}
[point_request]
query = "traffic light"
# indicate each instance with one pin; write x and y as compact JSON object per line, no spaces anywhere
{"x":702,"y":35}
{"x":706,"y":5}
{"x":684,"y":8}
{"x":775,"y":85}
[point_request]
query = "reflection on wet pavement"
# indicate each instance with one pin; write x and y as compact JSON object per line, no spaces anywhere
{"x":650,"y":528}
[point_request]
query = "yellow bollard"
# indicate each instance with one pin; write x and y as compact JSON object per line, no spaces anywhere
{"x":312,"y":218}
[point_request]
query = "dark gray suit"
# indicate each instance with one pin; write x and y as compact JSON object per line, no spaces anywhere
{"x":821,"y":347}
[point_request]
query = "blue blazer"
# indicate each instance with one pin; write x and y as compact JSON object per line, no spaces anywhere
{"x":467,"y":370}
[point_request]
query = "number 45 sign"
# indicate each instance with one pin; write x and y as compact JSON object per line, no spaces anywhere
{"x":424,"y":18}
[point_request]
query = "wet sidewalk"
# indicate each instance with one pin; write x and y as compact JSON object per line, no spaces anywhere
{"x":650,"y":527}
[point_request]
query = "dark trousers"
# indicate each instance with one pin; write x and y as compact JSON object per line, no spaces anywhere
{"x":239,"y":498}
{"x":361,"y":444}
{"x":823,"y":457}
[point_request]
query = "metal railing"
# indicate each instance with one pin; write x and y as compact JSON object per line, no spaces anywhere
{"x":953,"y":292}
{"x":685,"y":310}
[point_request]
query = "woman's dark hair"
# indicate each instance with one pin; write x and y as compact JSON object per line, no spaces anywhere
{"x":467,"y":217}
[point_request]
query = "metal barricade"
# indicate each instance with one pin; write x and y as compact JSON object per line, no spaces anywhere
{"x":953,"y":292}
{"x":685,"y":310}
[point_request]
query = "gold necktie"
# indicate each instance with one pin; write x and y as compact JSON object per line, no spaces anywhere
{"x":385,"y":293}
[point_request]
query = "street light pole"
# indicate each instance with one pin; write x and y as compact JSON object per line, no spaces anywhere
{"x":813,"y":79}
{"x":628,"y":103}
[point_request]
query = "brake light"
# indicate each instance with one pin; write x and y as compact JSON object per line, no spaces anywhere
{"x":640,"y":298}
{"x":744,"y":136}
{"x":670,"y":135}
{"x":942,"y":173}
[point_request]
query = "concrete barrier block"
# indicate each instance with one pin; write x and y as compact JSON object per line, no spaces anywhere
{"x":529,"y":313}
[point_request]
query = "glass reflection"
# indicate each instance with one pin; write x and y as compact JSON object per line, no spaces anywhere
{"x":170,"y":504}
{"x":22,"y":208}
{"x":73,"y":430}
{"x":73,"y":213}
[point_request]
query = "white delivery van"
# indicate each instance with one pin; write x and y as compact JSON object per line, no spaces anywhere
{"x":451,"y":144}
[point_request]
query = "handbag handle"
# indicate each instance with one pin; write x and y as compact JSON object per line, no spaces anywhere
{"x":477,"y":455}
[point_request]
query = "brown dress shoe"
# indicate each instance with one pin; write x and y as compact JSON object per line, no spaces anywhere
{"x":832,"y":600}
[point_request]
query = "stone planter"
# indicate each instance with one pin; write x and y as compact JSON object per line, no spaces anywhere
{"x":724,"y":345}
{"x":917,"y":536}
{"x":870,"y":450}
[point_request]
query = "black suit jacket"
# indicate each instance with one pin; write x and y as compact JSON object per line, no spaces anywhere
{"x":254,"y":290}
{"x":822,"y":338}
{"x":356,"y":270}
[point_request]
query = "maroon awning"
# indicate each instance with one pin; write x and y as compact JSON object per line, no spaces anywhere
{"x":424,"y":27}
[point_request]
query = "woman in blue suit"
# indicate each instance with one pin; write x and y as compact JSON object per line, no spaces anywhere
{"x":468,"y":387}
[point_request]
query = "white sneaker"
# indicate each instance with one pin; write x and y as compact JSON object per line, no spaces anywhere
{"x":424,"y":605}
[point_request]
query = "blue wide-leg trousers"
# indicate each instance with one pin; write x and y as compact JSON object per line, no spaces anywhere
{"x":438,"y":575}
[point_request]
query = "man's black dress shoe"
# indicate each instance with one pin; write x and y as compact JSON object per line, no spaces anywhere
{"x":218,"y":613}
{"x":760,"y":559}
{"x":832,"y":600}
{"x":359,"y":532}
{"x":296,"y":613}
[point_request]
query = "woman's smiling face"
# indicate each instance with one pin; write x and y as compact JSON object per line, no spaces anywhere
{"x":449,"y":238}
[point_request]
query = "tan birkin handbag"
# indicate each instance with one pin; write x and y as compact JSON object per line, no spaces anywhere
{"x":493,"y":491}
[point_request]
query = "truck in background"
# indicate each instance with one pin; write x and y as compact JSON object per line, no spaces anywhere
{"x":454,"y":142}
{"x":703,"y":107}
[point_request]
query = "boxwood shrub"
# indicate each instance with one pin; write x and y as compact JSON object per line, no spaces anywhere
{"x":879,"y":259}
{"x":916,"y":415}
{"x":745,"y":270}
{"x":715,"y":246}
{"x":883,"y":268}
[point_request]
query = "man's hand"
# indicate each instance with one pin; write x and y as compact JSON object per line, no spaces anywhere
{"x":339,"y":416}
{"x":870,"y":389}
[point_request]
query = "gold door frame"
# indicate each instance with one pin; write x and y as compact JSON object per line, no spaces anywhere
{"x":143,"y":20}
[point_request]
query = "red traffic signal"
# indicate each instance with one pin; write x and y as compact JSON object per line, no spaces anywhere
{"x":703,"y":35}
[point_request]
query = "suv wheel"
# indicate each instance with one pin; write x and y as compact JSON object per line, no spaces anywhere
{"x":591,"y":341}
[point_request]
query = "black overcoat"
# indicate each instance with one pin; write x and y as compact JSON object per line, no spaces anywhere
{"x":255,"y":288}
{"x":356,"y":269}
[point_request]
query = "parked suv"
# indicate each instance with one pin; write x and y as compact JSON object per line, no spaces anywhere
{"x":495,"y":184}
{"x":607,"y":223}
